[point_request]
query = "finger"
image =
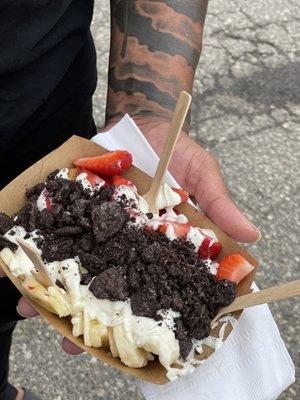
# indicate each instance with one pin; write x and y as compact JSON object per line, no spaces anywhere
{"x":70,"y":347}
{"x":25,"y":309}
{"x":217,"y":204}
{"x":2,"y":273}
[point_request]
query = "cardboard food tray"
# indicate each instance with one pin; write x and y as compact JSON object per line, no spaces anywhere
{"x":12,"y":199}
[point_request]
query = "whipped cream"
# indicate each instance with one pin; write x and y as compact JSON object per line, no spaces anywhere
{"x":130,"y":192}
{"x":167,"y":197}
{"x":211,"y":266}
{"x":63,"y":173}
{"x":168,"y":317}
{"x":82,"y":178}
{"x":42,"y":202}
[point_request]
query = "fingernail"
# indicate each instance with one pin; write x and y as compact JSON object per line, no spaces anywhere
{"x":259,"y":235}
{"x":19,"y":312}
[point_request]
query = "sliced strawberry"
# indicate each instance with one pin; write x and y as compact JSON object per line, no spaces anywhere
{"x":48,"y":203}
{"x":180,"y":230}
{"x":182,"y":193}
{"x":234,"y":268}
{"x":92,"y":178}
{"x":214,"y":250}
{"x":203,"y":251}
{"x":209,"y":248}
{"x":109,"y":164}
{"x":119,"y":180}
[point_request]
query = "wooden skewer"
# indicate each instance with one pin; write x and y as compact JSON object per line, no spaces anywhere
{"x":42,"y":275}
{"x":180,"y":112}
{"x":275,"y":293}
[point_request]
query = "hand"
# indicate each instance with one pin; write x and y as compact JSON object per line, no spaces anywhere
{"x":197,"y":171}
{"x":25,"y":309}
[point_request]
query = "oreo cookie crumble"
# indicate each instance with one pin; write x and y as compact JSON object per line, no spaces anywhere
{"x":121,"y":261}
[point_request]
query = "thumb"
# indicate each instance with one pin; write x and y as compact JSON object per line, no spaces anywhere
{"x":215,"y":201}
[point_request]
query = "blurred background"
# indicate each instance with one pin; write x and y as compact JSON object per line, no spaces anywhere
{"x":246,"y":111}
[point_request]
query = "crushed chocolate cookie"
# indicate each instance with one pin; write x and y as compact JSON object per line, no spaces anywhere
{"x":57,"y":249}
{"x":59,"y":284}
{"x":92,"y":263}
{"x":6,"y":223}
{"x":45,"y":219}
{"x":107,"y":219}
{"x":27,"y":217}
{"x":68,"y":231}
{"x":110,"y":285}
{"x":185,"y":346}
{"x":33,"y":193}
{"x":86,"y":279}
{"x":7,"y":243}
{"x":52,"y":175}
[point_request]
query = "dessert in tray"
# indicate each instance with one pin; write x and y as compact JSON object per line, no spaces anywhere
{"x":142,"y":285}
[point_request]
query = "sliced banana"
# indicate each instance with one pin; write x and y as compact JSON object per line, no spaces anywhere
{"x":77,"y":324}
{"x":7,"y":256}
{"x":112,"y":343}
{"x":52,"y":298}
{"x":59,"y":301}
{"x":94,"y":332}
{"x":129,"y":354}
{"x":156,"y":339}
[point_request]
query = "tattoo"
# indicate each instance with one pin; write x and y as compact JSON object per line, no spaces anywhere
{"x":155,"y":48}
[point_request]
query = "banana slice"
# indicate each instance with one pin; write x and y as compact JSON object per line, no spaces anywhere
{"x":17,"y":262}
{"x":59,"y":301}
{"x":94,"y":332}
{"x":78,"y":324}
{"x":7,"y":256}
{"x":112,"y":342}
{"x":129,"y":354}
{"x":156,"y":339}
{"x":52,"y":298}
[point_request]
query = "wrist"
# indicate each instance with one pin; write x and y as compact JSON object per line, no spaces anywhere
{"x":148,"y":124}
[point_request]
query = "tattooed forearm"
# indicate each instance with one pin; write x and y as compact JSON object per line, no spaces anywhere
{"x":155,"y":48}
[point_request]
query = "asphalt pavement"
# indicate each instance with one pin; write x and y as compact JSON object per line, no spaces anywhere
{"x":246,"y":111}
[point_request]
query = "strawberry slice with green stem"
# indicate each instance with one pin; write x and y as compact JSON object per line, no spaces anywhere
{"x":234,"y":267}
{"x":108,"y":164}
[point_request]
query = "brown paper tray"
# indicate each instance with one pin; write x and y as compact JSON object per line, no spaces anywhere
{"x":12,"y":199}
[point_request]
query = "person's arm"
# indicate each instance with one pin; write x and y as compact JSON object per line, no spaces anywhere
{"x":155,"y":48}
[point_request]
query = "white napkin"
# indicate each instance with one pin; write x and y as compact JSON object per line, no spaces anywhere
{"x":253,"y":363}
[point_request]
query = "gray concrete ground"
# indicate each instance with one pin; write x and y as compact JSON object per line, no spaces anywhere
{"x":246,"y":111}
